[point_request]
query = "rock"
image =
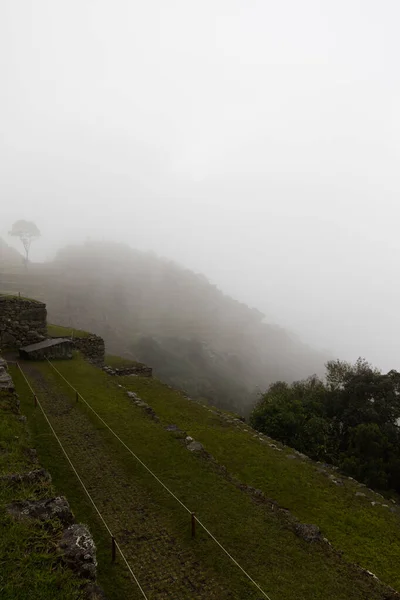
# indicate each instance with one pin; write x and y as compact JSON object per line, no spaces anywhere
{"x":172,"y":428}
{"x":44,"y":510}
{"x":78,"y":551}
{"x":6,"y":383}
{"x":189,"y":439}
{"x":301,"y":455}
{"x":310,"y":533}
{"x":31,"y":454}
{"x":36,"y":476}
{"x":291,"y":456}
{"x":375,"y":503}
{"x":94,"y":592}
{"x":360,"y":495}
{"x":7,"y":339}
{"x":22,"y":418}
{"x":370,"y":573}
{"x":147,"y":408}
{"x":195,"y":446}
{"x":133,"y":395}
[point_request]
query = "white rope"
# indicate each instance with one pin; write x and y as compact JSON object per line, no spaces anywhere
{"x":83,"y":485}
{"x":163,"y":484}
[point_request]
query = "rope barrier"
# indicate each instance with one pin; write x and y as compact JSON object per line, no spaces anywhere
{"x":78,"y":394}
{"x":82,"y":483}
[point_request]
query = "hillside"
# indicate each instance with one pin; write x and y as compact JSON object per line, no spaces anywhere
{"x":153,"y":310}
{"x":9,"y":257}
{"x":250,"y":492}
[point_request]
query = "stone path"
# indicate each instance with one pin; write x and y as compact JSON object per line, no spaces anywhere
{"x":165,"y":568}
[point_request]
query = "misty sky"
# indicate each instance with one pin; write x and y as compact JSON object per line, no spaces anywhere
{"x":254,"y":141}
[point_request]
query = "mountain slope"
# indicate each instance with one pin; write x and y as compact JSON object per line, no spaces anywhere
{"x":245,"y":520}
{"x":155,"y":311}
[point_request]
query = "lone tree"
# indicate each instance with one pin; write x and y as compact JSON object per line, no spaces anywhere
{"x":27,"y":231}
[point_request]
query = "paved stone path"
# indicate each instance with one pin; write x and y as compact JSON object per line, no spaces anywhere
{"x":166,"y":569}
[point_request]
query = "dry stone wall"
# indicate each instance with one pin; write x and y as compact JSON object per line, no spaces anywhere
{"x":92,"y":348}
{"x":22,"y":321}
{"x":138,"y":370}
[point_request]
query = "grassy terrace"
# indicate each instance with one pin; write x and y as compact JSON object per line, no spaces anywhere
{"x":59,"y":331}
{"x":29,"y":567}
{"x":368,"y":535}
{"x":16,"y":297}
{"x":155,"y":531}
{"x":119,"y":363}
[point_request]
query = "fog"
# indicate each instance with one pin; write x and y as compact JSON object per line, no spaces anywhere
{"x":256,"y":142}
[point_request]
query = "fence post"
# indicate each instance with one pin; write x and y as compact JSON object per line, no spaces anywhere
{"x":113,"y":549}
{"x":193,"y":525}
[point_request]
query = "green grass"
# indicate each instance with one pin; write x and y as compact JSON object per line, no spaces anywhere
{"x":59,"y":331}
{"x":284,"y":565}
{"x":368,"y":535}
{"x":16,"y":297}
{"x":29,"y":567}
{"x":120,"y":362}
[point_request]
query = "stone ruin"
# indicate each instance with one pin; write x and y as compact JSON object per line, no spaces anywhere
{"x":22,"y":322}
{"x":6,"y":383}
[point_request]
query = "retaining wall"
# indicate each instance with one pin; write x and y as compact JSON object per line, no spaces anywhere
{"x":22,"y":321}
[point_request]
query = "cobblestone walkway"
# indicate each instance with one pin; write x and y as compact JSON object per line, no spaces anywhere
{"x":166,"y":569}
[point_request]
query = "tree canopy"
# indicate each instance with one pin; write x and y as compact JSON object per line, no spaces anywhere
{"x":26,"y":231}
{"x":350,"y":420}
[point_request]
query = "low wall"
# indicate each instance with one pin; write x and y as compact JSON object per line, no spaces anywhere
{"x":92,"y":348}
{"x":22,"y":321}
{"x":139,"y":370}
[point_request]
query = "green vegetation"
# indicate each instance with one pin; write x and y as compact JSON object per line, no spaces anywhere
{"x":139,"y":508}
{"x":362,"y":531}
{"x":15,"y":297}
{"x":350,"y":421}
{"x":30,"y":567}
{"x":58,"y":331}
{"x":118,"y":362}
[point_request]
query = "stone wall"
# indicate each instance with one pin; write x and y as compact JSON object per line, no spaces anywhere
{"x":6,"y":383}
{"x":22,"y":321}
{"x":138,"y":370}
{"x":92,"y":348}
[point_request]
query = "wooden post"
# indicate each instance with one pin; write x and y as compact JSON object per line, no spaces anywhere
{"x":193,"y":525}
{"x":113,"y":549}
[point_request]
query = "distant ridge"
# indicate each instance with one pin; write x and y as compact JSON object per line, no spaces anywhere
{"x":152,"y":310}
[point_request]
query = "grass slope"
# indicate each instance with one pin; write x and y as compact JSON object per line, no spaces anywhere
{"x":284,"y":565}
{"x":29,"y":566}
{"x":119,"y":362}
{"x":368,"y":535}
{"x":59,"y":331}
